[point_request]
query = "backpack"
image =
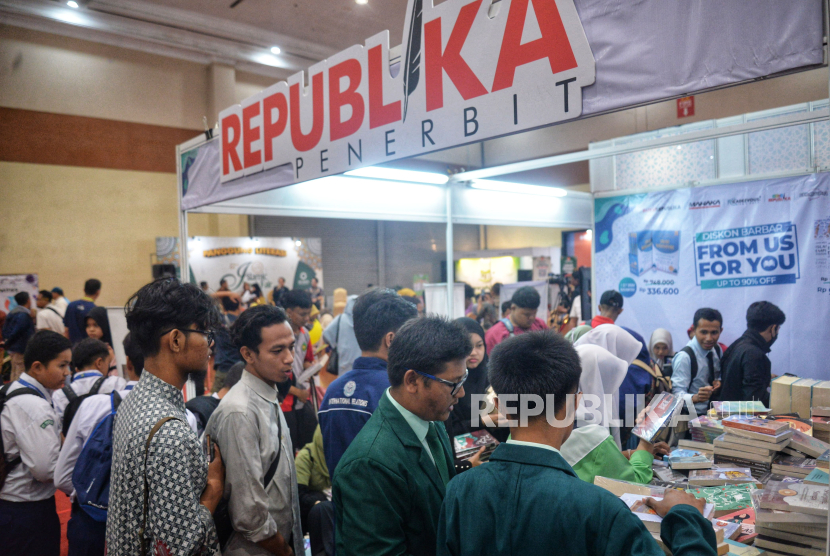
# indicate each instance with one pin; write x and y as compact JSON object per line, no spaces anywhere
{"x":6,"y":465}
{"x":693,"y":359}
{"x":508,"y":325}
{"x":334,"y":359}
{"x":75,"y":402}
{"x":202,"y":407}
{"x":659,"y":382}
{"x":91,"y":477}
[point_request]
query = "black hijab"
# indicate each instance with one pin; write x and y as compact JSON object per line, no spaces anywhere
{"x":460,"y":420}
{"x":99,"y":315}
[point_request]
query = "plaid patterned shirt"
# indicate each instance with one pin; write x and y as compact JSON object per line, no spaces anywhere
{"x":177,"y":523}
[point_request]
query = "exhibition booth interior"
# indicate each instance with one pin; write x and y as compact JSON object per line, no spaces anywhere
{"x":722,"y":212}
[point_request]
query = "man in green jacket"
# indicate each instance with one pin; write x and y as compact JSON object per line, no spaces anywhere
{"x":528,"y":501}
{"x":390,"y":482}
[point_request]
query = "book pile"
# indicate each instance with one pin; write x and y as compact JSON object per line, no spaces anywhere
{"x":658,"y":416}
{"x":725,"y":409}
{"x":791,"y":518}
{"x":467,"y":445}
{"x":667,"y":477}
{"x":823,"y":460}
{"x":688,"y":459}
{"x":805,"y":445}
{"x":705,"y":429}
{"x":793,"y":466}
{"x":817,"y":477}
{"x":746,"y":519}
{"x":821,"y":423}
{"x":726,"y":499}
{"x":752,"y":443}
{"x":721,"y":476}
{"x":705,"y":447}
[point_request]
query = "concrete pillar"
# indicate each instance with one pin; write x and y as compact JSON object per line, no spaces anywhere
{"x":221,"y":90}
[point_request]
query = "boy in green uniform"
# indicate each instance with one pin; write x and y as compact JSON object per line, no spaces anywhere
{"x":527,"y":500}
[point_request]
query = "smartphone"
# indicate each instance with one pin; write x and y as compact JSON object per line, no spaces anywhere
{"x":210,"y":449}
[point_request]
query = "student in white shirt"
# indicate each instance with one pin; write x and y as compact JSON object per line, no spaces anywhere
{"x":85,"y":535}
{"x":48,"y":316}
{"x":91,"y":360}
{"x":59,"y":301}
{"x":31,"y":441}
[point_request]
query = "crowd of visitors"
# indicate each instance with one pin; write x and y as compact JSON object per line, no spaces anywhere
{"x":366,"y":466}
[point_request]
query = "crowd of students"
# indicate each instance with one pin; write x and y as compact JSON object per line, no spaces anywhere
{"x":249,"y":470}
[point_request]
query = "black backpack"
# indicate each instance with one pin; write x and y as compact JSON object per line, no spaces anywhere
{"x":75,"y":402}
{"x":202,"y":407}
{"x":693,"y":360}
{"x":7,"y":465}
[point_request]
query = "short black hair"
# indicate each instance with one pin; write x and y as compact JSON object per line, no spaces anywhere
{"x":45,"y":346}
{"x":763,"y":314}
{"x":426,"y":344}
{"x":526,"y":297}
{"x":496,"y":289}
{"x":133,"y":354}
{"x":468,"y":291}
{"x":378,"y":312}
{"x":540,"y":363}
{"x":21,"y":298}
{"x":92,"y":286}
{"x":87,"y":351}
{"x":203,"y":284}
{"x":707,"y":313}
{"x":166,"y":304}
{"x":45,"y":293}
{"x":505,"y":306}
{"x":296,"y":298}
{"x":234,"y":375}
{"x":247,"y":329}
{"x":222,"y":281}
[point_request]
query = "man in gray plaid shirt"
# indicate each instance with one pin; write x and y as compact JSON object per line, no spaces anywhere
{"x":173,"y":324}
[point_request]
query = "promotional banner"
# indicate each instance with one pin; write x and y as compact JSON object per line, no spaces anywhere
{"x":10,"y":284}
{"x":255,"y":261}
{"x":725,"y":247}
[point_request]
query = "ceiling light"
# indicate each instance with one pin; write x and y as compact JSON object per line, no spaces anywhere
{"x":298,"y":243}
{"x":72,"y":4}
{"x":268,"y":60}
{"x":275,"y":50}
{"x":361,"y":2}
{"x":395,"y":174}
{"x":510,"y":187}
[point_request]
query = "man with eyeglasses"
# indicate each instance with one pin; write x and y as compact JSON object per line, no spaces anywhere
{"x":163,"y":492}
{"x":389,"y":485}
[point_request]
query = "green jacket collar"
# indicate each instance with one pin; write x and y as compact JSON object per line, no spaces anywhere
{"x":407,"y":437}
{"x":530,"y":455}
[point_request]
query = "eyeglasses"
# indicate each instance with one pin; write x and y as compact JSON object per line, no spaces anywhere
{"x":456,"y":386}
{"x":210,"y":335}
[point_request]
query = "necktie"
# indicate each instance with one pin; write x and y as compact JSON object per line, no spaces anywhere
{"x":437,"y":450}
{"x":710,"y":358}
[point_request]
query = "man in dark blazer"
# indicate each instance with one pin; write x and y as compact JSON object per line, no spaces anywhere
{"x":389,"y":484}
{"x":528,"y":501}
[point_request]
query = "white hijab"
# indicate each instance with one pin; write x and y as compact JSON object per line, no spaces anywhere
{"x":614,"y":339}
{"x":660,"y":336}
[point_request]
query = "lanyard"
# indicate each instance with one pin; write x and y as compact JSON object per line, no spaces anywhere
{"x":33,"y":387}
{"x":85,"y":374}
{"x":129,"y":387}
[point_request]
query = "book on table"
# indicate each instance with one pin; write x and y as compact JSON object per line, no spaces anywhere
{"x":688,"y":459}
{"x":795,"y":498}
{"x":726,"y":409}
{"x":726,"y":529}
{"x":817,"y":477}
{"x":720,"y":451}
{"x":767,"y":517}
{"x":727,"y":498}
{"x":725,"y":442}
{"x":807,"y":444}
{"x":823,"y":460}
{"x":696,"y":445}
{"x":767,"y":443}
{"x":793,"y":466}
{"x":815,"y":538}
{"x":746,"y":519}
{"x":658,"y":415}
{"x":648,"y":516}
{"x":779,"y":546}
{"x":720,"y":476}
{"x":770,"y":431}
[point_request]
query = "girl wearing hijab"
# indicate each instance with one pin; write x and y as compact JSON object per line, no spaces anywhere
{"x":460,"y":421}
{"x":98,"y":325}
{"x":638,"y":382}
{"x":591,"y":450}
{"x":575,"y":334}
{"x":661,"y":350}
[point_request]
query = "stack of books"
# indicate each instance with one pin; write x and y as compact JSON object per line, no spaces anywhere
{"x":688,"y":459}
{"x":791,"y":518}
{"x":823,"y":460}
{"x":467,"y":445}
{"x":817,"y":477}
{"x":705,"y":447}
{"x":725,"y":409}
{"x":793,"y":466}
{"x":821,"y":423}
{"x":705,"y":429}
{"x":752,"y":443}
{"x":802,"y":444}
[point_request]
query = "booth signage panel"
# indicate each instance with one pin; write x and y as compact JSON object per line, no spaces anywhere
{"x":725,"y":247}
{"x":259,"y":260}
{"x":11,"y":284}
{"x":464,"y":77}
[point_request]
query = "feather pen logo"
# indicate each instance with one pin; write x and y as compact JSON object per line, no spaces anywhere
{"x":412,"y":62}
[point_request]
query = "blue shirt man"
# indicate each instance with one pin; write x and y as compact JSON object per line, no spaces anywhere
{"x":699,"y":388}
{"x":75,"y":316}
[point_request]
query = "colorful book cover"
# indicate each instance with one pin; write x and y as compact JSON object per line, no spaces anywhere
{"x":739,"y":408}
{"x":762,"y":426}
{"x":795,"y":463}
{"x":807,"y":444}
{"x":473,"y":441}
{"x":795,"y":497}
{"x":746,"y":518}
{"x":658,"y":415}
{"x":706,"y":422}
{"x":817,"y":477}
{"x":724,"y":475}
{"x":726,"y":498}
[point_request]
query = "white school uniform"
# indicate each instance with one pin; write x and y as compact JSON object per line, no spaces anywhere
{"x":30,"y":431}
{"x":82,"y":383}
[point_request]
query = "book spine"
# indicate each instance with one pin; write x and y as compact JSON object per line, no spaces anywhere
{"x":748,"y":427}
